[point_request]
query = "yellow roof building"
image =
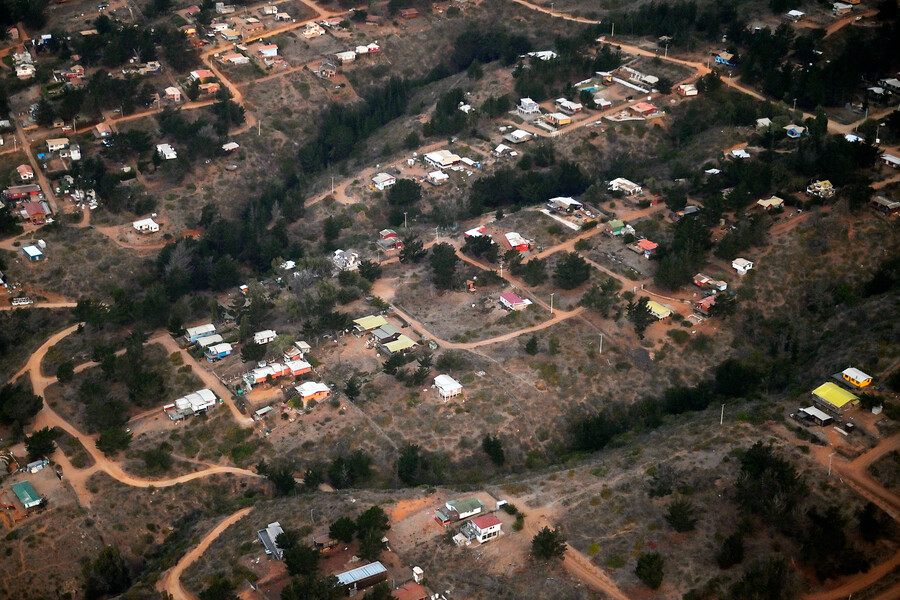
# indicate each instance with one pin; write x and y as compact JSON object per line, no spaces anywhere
{"x":834,"y":396}
{"x":370,"y":322}
{"x":658,"y":310}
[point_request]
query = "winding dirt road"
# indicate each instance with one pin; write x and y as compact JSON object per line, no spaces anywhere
{"x":47,"y":417}
{"x":171,"y":581}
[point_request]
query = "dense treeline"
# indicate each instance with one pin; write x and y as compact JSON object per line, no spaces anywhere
{"x":343,"y":128}
{"x":507,"y":188}
{"x":447,"y":118}
{"x":32,"y":13}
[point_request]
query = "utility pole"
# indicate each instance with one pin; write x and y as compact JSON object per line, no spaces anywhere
{"x":258,"y":127}
{"x":830,"y":456}
{"x":613,"y":30}
{"x":436,"y":235}
{"x":722,"y":416}
{"x":332,"y":185}
{"x":404,"y":221}
{"x":601,"y":343}
{"x":795,"y":104}
{"x":551,"y":303}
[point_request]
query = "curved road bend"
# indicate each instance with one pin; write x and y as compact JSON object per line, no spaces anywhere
{"x":171,"y":581}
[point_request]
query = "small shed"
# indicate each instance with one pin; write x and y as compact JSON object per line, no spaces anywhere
{"x":362,"y":577}
{"x":817,"y":416}
{"x":33,"y":253}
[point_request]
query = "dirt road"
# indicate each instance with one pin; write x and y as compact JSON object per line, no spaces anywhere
{"x":171,"y":581}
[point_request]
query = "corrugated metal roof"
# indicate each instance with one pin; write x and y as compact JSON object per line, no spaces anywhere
{"x":834,"y":395}
{"x":361,"y":573}
{"x":467,"y":505}
{"x":370,"y":322}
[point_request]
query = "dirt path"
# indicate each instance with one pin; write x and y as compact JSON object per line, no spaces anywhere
{"x":171,"y":581}
{"x":47,"y":417}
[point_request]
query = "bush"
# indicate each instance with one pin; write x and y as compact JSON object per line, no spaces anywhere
{"x":649,"y":569}
{"x":680,"y":516}
{"x":548,"y":544}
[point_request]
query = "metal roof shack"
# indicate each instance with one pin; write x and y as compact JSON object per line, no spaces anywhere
{"x":268,"y":536}
{"x":362,"y":577}
{"x":26,"y":494}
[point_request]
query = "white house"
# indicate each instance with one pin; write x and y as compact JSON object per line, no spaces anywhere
{"x":447,"y":387}
{"x":146,"y":226}
{"x":75,"y":152}
{"x":518,"y":136}
{"x":567,"y":106}
{"x":383,"y":181}
{"x":346,"y":260}
{"x":528,"y":109}
{"x":268,"y":51}
{"x":210,"y":340}
{"x":687,"y":89}
{"x":312,"y":390}
{"x":264,"y":337}
{"x":230,"y":146}
{"x":629,"y":188}
{"x":794,"y":15}
{"x":166,"y":151}
{"x":890,"y":160}
{"x":345,"y":57}
{"x":437,"y":178}
{"x":56,"y":144}
{"x":485,"y":527}
{"x":442,"y":159}
{"x":543,"y":54}
{"x":192,"y":334}
{"x":741,"y":265}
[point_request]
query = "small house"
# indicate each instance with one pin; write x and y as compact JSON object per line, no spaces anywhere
{"x":75,"y":151}
{"x":206,"y":342}
{"x":36,"y":213}
{"x":403,"y":345}
{"x":268,"y":50}
{"x":544,"y":55}
{"x":409,"y":13}
{"x":457,"y":510}
{"x":833,"y":398}
{"x":501,"y":150}
{"x":230,"y":146}
{"x":299,"y":367}
{"x":483,"y":528}
{"x":646,"y":247}
{"x":617,"y":227}
{"x":822,"y":189}
{"x":658,"y":310}
{"x":33,"y":253}
{"x":475,"y":232}
{"x":327,"y":70}
{"x":601,"y":101}
{"x":704,"y":306}
{"x":312,"y":390}
{"x":794,"y":15}
{"x":172,"y":94}
{"x":725,"y":58}
{"x":511,"y":301}
{"x":705,"y":281}
{"x":264,"y":337}
{"x":442,"y":159}
{"x":855,"y":377}
{"x":192,"y":334}
{"x":166,"y":152}
{"x":201,"y":75}
{"x":389,"y":243}
{"x":56,"y":144}
{"x":516,"y":242}
{"x":763,"y":123}
{"x":517,"y":136}
{"x":102,"y":130}
{"x":345,"y":260}
{"x":363,"y":577}
{"x":567,"y":106}
{"x":263,"y":374}
{"x":25,"y":172}
{"x":741,"y":265}
{"x":385,"y":334}
{"x":369,"y":323}
{"x":383,"y":181}
{"x":146,"y":226}
{"x":195,"y":403}
{"x":235,"y":58}
{"x":890,"y":160}
{"x":839,"y":9}
{"x":21,"y":192}
{"x":313,"y":30}
{"x":345,"y":57}
{"x":558,"y":119}
{"x":437,"y":178}
{"x":26,"y":494}
{"x":268,"y":536}
{"x":795,"y":131}
{"x":768,"y":203}
{"x":447,"y":387}
{"x":528,"y":109}
{"x":883,"y":205}
{"x":230,"y":35}
{"x":644,"y":109}
{"x":686,"y":90}
{"x":208,"y":89}
{"x":565,"y":204}
{"x":739,"y":154}
{"x":217,"y":352}
{"x":817,"y":416}
{"x":629,"y":188}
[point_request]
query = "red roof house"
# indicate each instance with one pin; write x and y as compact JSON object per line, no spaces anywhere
{"x":511,"y":301}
